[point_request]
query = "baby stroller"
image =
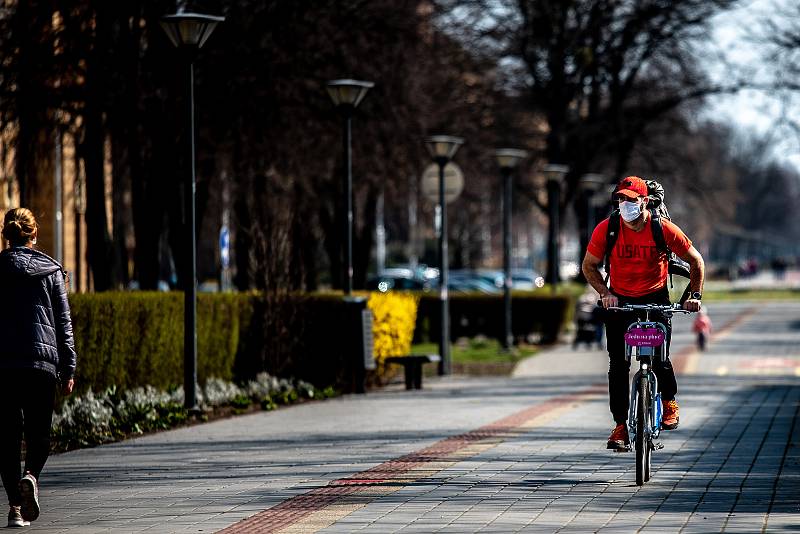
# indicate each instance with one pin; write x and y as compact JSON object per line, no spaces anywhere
{"x":588,"y":323}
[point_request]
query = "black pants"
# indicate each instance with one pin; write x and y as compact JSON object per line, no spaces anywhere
{"x":26,"y":409}
{"x":617,"y":324}
{"x":701,"y":340}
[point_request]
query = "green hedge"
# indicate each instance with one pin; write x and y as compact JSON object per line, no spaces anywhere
{"x":480,"y":314}
{"x":130,"y":339}
{"x":134,"y":339}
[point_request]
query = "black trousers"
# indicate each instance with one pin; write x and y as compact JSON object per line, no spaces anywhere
{"x":26,"y":409}
{"x":617,"y":324}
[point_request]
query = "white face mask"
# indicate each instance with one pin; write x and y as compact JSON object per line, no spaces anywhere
{"x":630,"y":211}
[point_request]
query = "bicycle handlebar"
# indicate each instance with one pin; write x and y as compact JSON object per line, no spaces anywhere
{"x":664,"y":308}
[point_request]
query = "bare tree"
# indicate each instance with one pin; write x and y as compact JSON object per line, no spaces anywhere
{"x":599,"y":71}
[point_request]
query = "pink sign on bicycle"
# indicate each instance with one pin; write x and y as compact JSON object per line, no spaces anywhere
{"x":644,"y":337}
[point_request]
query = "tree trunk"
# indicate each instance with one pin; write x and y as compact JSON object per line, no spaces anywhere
{"x":331,"y":216}
{"x":121,"y":215}
{"x":243,"y":240}
{"x":98,"y":240}
{"x":362,"y":252}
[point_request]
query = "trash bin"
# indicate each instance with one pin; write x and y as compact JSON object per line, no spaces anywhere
{"x":359,"y":340}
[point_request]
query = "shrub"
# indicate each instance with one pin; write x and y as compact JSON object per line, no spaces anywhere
{"x":394,"y":316}
{"x":83,"y":421}
{"x":219,"y":392}
{"x":472,"y":315}
{"x":135,"y":338}
{"x":91,"y":419}
{"x":132,"y":339}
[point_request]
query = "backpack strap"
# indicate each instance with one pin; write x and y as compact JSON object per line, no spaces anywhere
{"x":612,"y":233}
{"x":658,"y":233}
{"x":675,"y":265}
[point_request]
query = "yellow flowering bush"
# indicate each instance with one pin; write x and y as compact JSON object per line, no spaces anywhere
{"x":394,"y":317}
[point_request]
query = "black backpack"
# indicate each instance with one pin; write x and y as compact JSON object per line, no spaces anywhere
{"x":658,"y":211}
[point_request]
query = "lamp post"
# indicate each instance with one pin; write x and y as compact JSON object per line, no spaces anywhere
{"x":80,"y":211}
{"x":189,"y":32}
{"x":346,"y":96}
{"x":589,"y":184}
{"x":442,"y":149}
{"x":507,"y":159}
{"x":554,"y":174}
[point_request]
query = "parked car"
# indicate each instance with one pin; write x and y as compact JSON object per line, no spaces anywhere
{"x":523,"y":279}
{"x":420,"y":270}
{"x":526,"y":279}
{"x":398,"y":279}
{"x":492,"y":276}
{"x":468,"y":281}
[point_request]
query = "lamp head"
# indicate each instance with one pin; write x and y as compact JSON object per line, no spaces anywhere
{"x":443,"y":147}
{"x":555,"y":172}
{"x":348,"y":94}
{"x":189,"y":30}
{"x":592,"y":182}
{"x":509,"y":158}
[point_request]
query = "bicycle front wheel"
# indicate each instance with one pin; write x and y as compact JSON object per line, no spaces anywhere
{"x":642,"y":431}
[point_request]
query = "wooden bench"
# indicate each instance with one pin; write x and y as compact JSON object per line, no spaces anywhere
{"x":413,"y":367}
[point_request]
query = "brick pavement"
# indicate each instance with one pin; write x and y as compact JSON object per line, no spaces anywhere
{"x":468,"y":455}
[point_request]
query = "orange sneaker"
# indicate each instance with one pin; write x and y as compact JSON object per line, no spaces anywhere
{"x":618,"y":440}
{"x":670,"y":419}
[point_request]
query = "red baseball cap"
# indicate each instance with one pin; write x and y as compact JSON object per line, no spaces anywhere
{"x":631,"y":187}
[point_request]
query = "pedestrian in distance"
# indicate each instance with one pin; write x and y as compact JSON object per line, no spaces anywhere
{"x":37,"y":354}
{"x":585,"y":318}
{"x":638,"y":271}
{"x":702,"y":327}
{"x":588,"y":326}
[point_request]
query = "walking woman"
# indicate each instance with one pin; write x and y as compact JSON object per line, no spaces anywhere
{"x":37,"y":353}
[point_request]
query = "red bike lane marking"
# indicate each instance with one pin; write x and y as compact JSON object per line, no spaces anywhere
{"x":297,"y":508}
{"x":396,"y":471}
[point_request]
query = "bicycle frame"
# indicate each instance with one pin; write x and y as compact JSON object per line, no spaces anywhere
{"x":645,"y":340}
{"x":645,"y":355}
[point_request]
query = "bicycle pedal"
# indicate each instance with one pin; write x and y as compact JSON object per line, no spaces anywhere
{"x":658,"y":446}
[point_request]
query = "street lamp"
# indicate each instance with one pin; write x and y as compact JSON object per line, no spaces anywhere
{"x":507,"y":159}
{"x":346,"y":96}
{"x":79,"y":197}
{"x":554,"y":174}
{"x":442,"y":149}
{"x":189,"y":32}
{"x":588,"y":184}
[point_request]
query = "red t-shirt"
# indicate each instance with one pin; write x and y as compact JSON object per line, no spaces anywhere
{"x":637,"y":266}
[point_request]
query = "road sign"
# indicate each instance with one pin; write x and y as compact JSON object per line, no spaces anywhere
{"x":453,"y":182}
{"x":225,"y":247}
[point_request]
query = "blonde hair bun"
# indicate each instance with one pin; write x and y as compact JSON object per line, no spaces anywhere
{"x":19,"y":226}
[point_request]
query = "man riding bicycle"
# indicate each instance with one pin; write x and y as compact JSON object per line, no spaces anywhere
{"x":638,"y":275}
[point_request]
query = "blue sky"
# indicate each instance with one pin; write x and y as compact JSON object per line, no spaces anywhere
{"x":734,"y":43}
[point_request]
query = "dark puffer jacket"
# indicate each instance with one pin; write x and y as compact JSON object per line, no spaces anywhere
{"x":35,"y":323}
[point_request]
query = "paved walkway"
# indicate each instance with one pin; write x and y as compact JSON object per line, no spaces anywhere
{"x":521,"y":454}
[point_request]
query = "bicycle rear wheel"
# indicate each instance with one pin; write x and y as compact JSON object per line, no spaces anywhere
{"x":642,"y":431}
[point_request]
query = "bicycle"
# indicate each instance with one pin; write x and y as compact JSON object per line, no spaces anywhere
{"x":645,"y":340}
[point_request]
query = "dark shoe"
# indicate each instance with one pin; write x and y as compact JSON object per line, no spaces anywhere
{"x":30,"y":497}
{"x":15,"y":518}
{"x":670,"y":419}
{"x":618,"y":440}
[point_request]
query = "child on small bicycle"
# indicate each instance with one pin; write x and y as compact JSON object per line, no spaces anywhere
{"x":702,"y":327}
